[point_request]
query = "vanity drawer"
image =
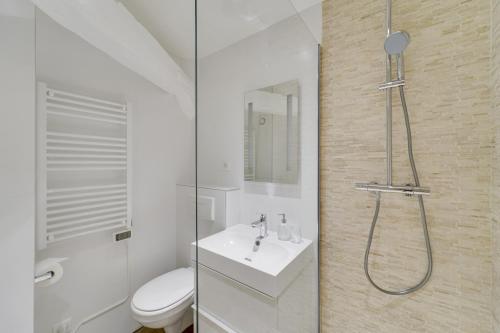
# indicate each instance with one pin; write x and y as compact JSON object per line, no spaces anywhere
{"x":238,"y":306}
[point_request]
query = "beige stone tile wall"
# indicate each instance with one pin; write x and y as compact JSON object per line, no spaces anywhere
{"x":495,"y":203}
{"x":449,"y":97}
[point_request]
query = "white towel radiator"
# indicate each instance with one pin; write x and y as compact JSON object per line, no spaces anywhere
{"x":83,"y":171}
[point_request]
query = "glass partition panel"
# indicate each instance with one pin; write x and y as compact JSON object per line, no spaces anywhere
{"x":257,"y":162}
{"x":115,"y":166}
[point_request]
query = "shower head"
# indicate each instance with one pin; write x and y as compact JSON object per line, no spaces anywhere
{"x":396,"y":42}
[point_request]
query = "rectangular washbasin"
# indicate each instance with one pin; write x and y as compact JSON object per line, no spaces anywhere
{"x":269,"y":270}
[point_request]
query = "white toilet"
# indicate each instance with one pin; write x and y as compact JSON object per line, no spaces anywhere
{"x":162,"y":302}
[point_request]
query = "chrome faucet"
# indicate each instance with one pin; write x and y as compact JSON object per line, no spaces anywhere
{"x":262,"y":224}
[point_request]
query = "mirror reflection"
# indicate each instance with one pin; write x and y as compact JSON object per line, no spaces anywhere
{"x":272,"y":138}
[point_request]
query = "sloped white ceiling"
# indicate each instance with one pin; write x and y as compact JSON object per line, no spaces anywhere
{"x":170,"y":21}
{"x":150,"y":37}
{"x":108,"y":26}
{"x":220,"y":22}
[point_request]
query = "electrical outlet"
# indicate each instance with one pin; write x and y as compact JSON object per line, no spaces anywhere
{"x":62,"y":327}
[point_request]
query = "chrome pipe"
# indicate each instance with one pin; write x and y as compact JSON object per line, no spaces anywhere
{"x":388,"y":96}
{"x":388,"y":101}
{"x":388,"y":17}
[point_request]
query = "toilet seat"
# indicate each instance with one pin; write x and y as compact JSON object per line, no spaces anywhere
{"x":165,"y":292}
{"x":161,"y":302}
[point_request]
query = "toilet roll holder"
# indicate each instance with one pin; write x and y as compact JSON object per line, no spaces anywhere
{"x":44,"y":277}
{"x":48,"y":269}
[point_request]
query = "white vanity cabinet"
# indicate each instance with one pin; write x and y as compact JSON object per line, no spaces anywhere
{"x":226,"y":305}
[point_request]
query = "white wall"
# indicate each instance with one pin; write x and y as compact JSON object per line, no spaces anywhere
{"x":17,"y":166}
{"x":162,"y":136}
{"x":283,"y":52}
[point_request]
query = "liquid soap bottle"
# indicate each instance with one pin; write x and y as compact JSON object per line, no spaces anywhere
{"x":283,"y":230}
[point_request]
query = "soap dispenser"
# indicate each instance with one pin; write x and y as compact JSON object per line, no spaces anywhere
{"x":283,"y":230}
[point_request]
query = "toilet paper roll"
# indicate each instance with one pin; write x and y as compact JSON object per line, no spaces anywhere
{"x":50,"y":266}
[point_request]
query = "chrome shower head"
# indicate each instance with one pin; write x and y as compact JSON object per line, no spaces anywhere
{"x":396,"y":42}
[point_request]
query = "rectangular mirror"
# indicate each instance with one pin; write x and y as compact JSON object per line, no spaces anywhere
{"x":272,"y":137}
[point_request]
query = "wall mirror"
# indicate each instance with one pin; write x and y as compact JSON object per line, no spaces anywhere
{"x":272,"y":134}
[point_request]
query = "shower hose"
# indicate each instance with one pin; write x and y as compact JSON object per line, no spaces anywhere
{"x":422,"y":216}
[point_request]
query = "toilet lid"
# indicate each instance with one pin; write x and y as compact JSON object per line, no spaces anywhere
{"x":164,"y":290}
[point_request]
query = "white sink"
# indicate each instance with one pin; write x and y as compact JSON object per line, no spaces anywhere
{"x":269,"y":270}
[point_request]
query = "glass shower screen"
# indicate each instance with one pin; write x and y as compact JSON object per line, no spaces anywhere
{"x":257,"y":166}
